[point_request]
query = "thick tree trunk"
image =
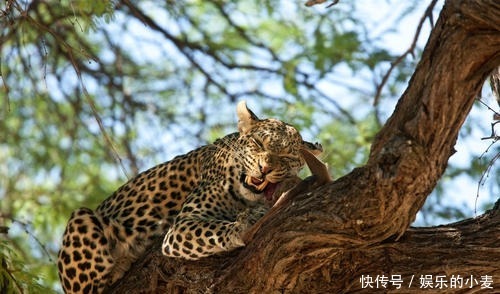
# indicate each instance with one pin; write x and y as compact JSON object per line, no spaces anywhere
{"x":325,"y":241}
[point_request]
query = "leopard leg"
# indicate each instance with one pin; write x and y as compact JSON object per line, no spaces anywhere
{"x":194,"y":238}
{"x":84,"y":261}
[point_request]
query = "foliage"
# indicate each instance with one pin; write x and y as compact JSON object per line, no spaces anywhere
{"x":94,"y":92}
{"x":15,"y":274}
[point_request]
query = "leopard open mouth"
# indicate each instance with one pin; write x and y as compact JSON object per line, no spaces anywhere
{"x":258,"y":186}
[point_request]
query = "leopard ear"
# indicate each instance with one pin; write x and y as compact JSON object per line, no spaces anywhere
{"x":246,"y":118}
{"x":314,"y":148}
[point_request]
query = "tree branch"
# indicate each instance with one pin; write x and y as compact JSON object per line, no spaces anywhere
{"x":464,"y":248}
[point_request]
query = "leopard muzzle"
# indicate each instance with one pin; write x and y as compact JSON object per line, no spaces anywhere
{"x":259,"y":185}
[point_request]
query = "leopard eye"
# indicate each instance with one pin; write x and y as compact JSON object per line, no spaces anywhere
{"x":258,"y":143}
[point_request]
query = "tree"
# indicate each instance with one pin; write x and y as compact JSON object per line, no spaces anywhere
{"x":93,"y":92}
{"x":358,"y":224}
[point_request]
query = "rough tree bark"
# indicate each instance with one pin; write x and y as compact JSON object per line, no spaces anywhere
{"x":323,"y":241}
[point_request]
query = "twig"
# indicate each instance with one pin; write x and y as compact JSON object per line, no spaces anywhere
{"x":485,"y":174}
{"x":385,"y":78}
{"x":25,"y":227}
{"x":496,"y":116}
{"x":310,"y":3}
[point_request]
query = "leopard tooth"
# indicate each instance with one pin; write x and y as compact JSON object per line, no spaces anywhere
{"x":262,"y":186}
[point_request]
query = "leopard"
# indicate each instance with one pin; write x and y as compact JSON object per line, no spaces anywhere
{"x":201,"y":204}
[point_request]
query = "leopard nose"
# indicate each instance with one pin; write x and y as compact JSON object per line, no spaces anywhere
{"x":265,"y":169}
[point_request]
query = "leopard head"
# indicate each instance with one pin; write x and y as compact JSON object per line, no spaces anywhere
{"x":270,"y":153}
